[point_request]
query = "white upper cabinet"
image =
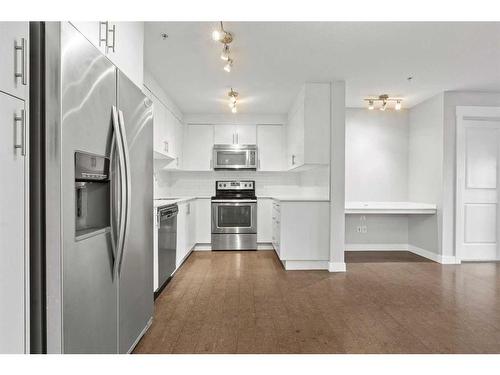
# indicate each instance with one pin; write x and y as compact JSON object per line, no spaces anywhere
{"x":121,"y":42}
{"x":308,"y":127}
{"x":246,"y":134}
{"x":167,"y":134}
{"x":14,"y":52}
{"x":235,"y":134}
{"x":270,"y":147}
{"x":127,"y":49}
{"x":225,"y":134}
{"x":198,"y":145}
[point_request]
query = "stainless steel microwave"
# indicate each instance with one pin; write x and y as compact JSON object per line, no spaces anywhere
{"x":227,"y":157}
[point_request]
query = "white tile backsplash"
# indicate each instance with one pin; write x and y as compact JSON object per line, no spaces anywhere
{"x":311,"y":183}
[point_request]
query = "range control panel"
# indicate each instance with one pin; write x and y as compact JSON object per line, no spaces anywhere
{"x":235,"y":185}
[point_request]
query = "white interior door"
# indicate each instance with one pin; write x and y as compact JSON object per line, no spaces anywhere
{"x":478,"y":162}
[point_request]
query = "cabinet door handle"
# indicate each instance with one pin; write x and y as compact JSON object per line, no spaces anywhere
{"x":105,"y":39}
{"x":113,"y":31}
{"x":293,"y":159}
{"x":21,"y":119}
{"x":107,"y":31}
{"x":233,"y":139}
{"x":237,"y":138}
{"x":24,"y":61}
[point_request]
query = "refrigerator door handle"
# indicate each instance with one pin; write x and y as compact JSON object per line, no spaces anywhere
{"x":128,"y":186}
{"x":122,"y":200}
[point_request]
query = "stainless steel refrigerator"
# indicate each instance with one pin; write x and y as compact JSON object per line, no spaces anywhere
{"x":97,"y":180}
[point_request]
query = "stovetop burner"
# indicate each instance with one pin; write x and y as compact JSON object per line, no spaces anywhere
{"x":234,"y":190}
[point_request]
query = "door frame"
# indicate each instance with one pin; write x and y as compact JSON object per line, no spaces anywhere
{"x":463,"y":114}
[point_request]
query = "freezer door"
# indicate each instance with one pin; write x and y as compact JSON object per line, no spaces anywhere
{"x":88,"y":93}
{"x":136,"y":266}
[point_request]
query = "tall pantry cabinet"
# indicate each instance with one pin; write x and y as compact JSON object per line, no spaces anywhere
{"x":14,"y":157}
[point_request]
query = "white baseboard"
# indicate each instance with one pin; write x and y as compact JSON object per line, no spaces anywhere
{"x":265,"y":246}
{"x":208,"y":247}
{"x":442,"y":259}
{"x":337,"y":267}
{"x":376,"y":247}
{"x":203,"y":247}
{"x":295,"y":265}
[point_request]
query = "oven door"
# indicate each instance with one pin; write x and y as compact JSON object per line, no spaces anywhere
{"x":234,"y":216}
{"x":235,"y":159}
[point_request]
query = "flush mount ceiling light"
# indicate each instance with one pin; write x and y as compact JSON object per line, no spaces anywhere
{"x":233,"y":98}
{"x":384,"y":100}
{"x":224,"y":37}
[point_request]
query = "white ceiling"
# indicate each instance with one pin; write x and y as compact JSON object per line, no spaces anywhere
{"x":273,"y":59}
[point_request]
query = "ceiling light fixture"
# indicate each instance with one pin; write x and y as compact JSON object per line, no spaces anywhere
{"x":384,"y":100}
{"x":233,"y":98}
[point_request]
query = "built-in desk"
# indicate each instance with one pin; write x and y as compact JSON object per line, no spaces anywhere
{"x":395,"y":208}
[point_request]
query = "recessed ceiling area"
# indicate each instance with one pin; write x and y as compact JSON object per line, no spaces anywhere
{"x":273,"y":59}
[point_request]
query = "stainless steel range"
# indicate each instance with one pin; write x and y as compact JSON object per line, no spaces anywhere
{"x":234,"y":216}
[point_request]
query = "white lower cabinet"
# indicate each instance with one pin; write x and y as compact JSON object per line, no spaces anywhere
{"x":203,"y":221}
{"x":301,"y":234}
{"x":14,"y":310}
{"x":264,"y":220}
{"x":186,"y":230}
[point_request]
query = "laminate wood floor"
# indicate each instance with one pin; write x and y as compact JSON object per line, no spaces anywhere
{"x":245,"y":302}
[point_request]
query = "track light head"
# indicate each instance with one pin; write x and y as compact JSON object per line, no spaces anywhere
{"x":225,"y":53}
{"x":228,"y":65}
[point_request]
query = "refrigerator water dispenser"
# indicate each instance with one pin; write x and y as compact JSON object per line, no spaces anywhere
{"x":92,"y":195}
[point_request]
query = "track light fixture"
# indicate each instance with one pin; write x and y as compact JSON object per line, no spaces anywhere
{"x":233,"y":98}
{"x":384,"y":100}
{"x":224,"y":37}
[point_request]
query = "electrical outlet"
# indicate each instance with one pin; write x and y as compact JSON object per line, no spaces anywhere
{"x":364,"y":229}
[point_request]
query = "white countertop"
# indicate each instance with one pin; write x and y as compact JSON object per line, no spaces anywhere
{"x":294,"y":198}
{"x":173,"y":200}
{"x":402,"y":208}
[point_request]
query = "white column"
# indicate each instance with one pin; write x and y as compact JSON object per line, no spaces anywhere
{"x":337,"y":177}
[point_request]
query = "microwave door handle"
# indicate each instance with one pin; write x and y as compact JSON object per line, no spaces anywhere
{"x":122,"y":199}
{"x":128,"y":188}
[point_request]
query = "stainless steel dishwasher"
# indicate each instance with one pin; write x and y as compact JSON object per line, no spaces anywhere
{"x":167,"y":243}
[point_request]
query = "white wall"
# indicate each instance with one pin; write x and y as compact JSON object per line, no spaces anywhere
{"x":376,"y":170}
{"x":425,"y":171}
{"x":376,"y":155}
